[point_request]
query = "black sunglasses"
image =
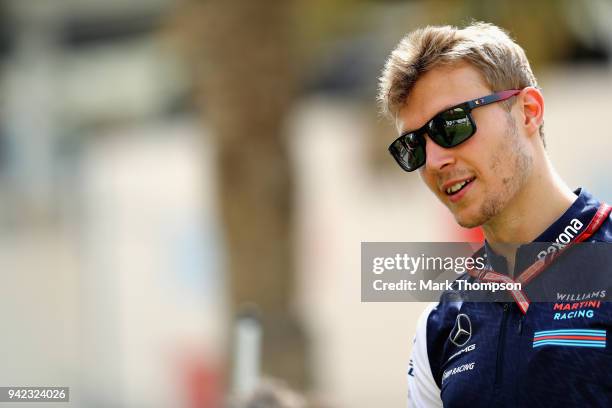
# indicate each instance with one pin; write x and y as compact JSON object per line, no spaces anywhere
{"x":448,"y":128}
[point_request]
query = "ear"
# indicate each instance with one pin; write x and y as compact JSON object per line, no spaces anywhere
{"x":532,"y":109}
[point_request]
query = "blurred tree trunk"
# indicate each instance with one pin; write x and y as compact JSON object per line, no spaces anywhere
{"x":245,"y":70}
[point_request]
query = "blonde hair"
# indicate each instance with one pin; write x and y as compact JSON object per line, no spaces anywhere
{"x":501,"y":61}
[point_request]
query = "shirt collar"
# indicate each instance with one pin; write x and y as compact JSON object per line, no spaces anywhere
{"x":563,"y":230}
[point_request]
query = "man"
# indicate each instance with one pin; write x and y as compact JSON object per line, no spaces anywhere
{"x":470,"y":118}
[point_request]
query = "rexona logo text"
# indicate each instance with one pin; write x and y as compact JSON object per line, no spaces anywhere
{"x":564,"y":238}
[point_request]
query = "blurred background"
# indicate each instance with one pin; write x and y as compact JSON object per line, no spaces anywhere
{"x":167,"y":165}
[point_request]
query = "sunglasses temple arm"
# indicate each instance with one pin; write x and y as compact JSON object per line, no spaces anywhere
{"x":496,"y":97}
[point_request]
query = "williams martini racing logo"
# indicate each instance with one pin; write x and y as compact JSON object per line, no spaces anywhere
{"x":576,"y":297}
{"x":564,"y":238}
{"x":585,"y":309}
{"x":570,"y":338}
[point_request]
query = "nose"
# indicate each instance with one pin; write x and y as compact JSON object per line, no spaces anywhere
{"x":437,"y":157}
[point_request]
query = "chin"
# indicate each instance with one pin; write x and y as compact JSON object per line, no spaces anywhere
{"x":469,"y":220}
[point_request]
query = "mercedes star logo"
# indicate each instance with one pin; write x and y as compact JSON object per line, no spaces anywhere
{"x":462,"y":332}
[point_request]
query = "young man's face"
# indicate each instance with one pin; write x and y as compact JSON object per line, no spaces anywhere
{"x":496,"y":160}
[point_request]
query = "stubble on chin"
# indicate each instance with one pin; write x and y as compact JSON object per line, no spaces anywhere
{"x":487,"y":210}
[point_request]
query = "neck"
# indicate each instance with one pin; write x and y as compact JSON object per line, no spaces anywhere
{"x":541,"y":201}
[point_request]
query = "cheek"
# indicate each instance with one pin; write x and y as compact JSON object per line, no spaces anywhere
{"x":492,"y":169}
{"x":489,"y":150}
{"x":499,"y":170}
{"x":429,"y":180}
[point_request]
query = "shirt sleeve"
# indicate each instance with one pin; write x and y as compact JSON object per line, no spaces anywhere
{"x":423,"y":392}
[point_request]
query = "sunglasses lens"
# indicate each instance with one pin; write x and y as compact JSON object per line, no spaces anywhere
{"x":409,"y":151}
{"x":451,"y":127}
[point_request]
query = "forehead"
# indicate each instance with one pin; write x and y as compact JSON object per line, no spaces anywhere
{"x":438,"y":89}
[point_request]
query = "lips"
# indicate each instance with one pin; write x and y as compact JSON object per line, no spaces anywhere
{"x":454,"y":187}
